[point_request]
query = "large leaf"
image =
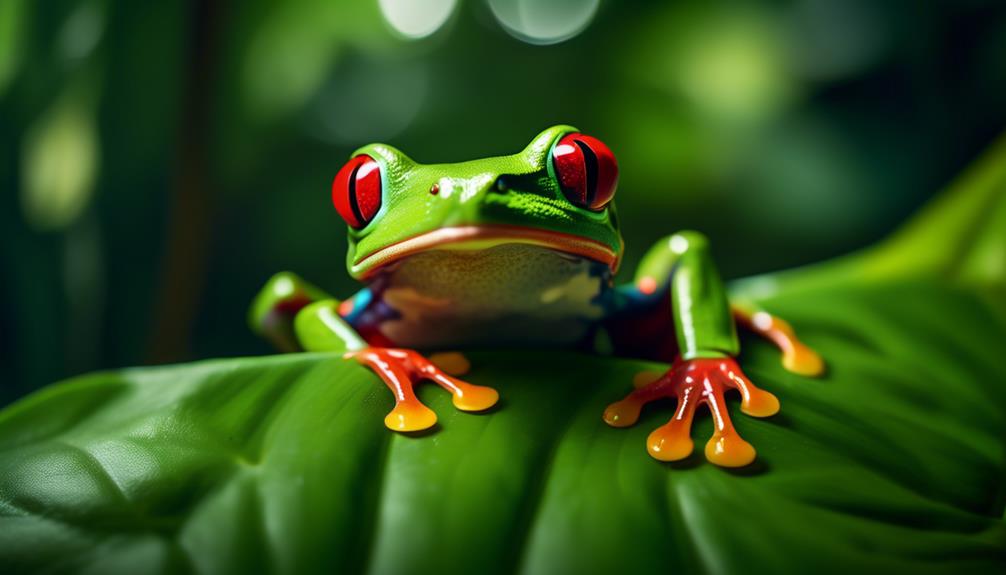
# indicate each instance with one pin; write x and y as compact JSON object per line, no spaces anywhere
{"x":896,"y":460}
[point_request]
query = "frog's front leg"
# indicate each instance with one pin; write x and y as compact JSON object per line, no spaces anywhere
{"x":705,"y":369}
{"x":401,"y":369}
{"x":320,"y":327}
{"x":321,"y":324}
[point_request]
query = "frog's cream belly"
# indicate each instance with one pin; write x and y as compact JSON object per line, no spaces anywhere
{"x":508,"y":295}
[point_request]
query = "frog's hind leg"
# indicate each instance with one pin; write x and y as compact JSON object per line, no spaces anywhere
{"x":796,"y":356}
{"x":277,"y":304}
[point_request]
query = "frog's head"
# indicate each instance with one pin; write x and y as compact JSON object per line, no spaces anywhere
{"x":556,"y":193}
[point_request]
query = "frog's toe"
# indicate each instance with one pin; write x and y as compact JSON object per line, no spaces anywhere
{"x":673,"y":440}
{"x":475,"y":397}
{"x":802,"y":360}
{"x":623,"y":413}
{"x":410,"y":416}
{"x":755,"y":402}
{"x":729,"y":449}
{"x":760,"y":403}
{"x":670,"y":442}
{"x":726,"y":447}
{"x":467,"y":397}
{"x":626,"y":412}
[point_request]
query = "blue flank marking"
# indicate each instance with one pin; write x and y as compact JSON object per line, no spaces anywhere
{"x":627,"y":298}
{"x":360,"y":301}
{"x":624,"y":298}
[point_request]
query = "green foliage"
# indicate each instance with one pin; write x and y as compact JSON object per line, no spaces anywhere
{"x":894,"y":461}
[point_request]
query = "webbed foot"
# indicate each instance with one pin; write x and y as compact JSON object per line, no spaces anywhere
{"x":401,"y":369}
{"x":691,"y":382}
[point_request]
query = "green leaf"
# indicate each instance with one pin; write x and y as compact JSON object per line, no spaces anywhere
{"x":894,"y":461}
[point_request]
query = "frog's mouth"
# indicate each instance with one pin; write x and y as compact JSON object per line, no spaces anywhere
{"x":483,"y":237}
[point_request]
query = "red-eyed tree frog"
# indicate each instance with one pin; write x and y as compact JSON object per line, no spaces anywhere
{"x":521,"y":251}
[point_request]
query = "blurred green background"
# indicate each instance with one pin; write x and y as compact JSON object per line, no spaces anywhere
{"x":159,"y":161}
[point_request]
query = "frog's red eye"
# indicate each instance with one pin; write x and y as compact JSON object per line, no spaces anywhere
{"x":586,"y":169}
{"x":356,"y":191}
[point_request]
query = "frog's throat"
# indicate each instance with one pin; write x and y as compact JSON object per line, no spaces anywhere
{"x":483,"y":237}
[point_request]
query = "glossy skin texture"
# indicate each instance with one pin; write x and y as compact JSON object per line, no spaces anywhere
{"x":468,"y":195}
{"x":521,"y":251}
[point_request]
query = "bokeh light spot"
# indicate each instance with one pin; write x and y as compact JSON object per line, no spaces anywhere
{"x":287,"y":59}
{"x":417,"y":18}
{"x":730,"y":67}
{"x":737,"y":71}
{"x":82,"y":31}
{"x":59,"y":163}
{"x":834,"y":39}
{"x":544,"y":21}
{"x":368,"y":100}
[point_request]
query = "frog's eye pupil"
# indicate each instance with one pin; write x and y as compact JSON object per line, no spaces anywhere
{"x":586,"y":170}
{"x":356,"y":191}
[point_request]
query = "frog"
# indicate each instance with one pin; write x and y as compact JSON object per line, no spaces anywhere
{"x":522,"y":251}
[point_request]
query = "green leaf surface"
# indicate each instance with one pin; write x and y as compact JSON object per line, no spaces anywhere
{"x":895,"y":461}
